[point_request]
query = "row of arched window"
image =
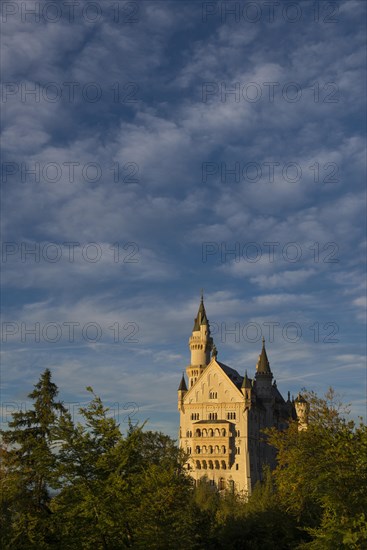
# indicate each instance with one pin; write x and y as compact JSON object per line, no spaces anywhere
{"x":195,"y":416}
{"x":213,"y":416}
{"x":210,"y":464}
{"x":210,"y":449}
{"x":210,"y":432}
{"x":213,"y":395}
{"x":231,"y":416}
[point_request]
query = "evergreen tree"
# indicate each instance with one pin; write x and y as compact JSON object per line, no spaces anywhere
{"x":28,"y":469}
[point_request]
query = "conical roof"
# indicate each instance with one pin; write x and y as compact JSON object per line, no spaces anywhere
{"x":182,"y":386}
{"x":263,"y":366}
{"x":201,"y":318}
{"x":246,"y":381}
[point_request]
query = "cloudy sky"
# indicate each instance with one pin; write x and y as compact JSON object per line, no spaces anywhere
{"x":154,"y":148}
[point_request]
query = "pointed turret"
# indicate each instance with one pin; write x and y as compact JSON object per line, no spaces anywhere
{"x":263,"y":366}
{"x":246,"y":382}
{"x":182,"y":386}
{"x":246,"y":389}
{"x":201,"y":318}
{"x":263,"y":375}
{"x":201,"y":345}
{"x":182,"y":390}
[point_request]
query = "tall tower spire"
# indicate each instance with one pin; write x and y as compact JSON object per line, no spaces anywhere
{"x":201,"y":318}
{"x":263,"y":366}
{"x":263,"y":374}
{"x":200,"y":343}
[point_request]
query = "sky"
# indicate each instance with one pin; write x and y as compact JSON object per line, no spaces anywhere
{"x":155,"y":148}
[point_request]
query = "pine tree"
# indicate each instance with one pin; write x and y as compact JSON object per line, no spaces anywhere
{"x":28,"y":469}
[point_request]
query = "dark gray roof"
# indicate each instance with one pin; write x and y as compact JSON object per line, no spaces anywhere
{"x":182,"y":386}
{"x":201,"y":318}
{"x":232,"y":374}
{"x":263,"y":366}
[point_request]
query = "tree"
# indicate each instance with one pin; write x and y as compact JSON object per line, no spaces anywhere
{"x":121,"y":491}
{"x":257,"y":523}
{"x":321,"y":474}
{"x":28,"y":466}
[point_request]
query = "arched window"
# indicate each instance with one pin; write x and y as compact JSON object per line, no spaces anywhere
{"x":217,"y":464}
{"x":211,"y":465}
{"x":198,"y":433}
{"x":198,"y":449}
{"x":224,"y":467}
{"x":223,"y":432}
{"x":210,"y":450}
{"x":198,"y":465}
{"x":216,"y":449}
{"x":210,"y":432}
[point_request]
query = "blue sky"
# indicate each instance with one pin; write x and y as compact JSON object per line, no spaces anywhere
{"x":155,"y":148}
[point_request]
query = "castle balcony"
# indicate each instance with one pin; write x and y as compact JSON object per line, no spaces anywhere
{"x":209,"y":429}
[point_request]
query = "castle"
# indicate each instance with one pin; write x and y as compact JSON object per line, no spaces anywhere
{"x":222,"y":414}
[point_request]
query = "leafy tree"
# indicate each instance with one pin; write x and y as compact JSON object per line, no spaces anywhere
{"x":28,"y":466}
{"x":257,"y":523}
{"x":121,"y":492}
{"x":321,"y":475}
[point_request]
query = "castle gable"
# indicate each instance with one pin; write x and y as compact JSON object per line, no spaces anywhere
{"x":217,"y":383}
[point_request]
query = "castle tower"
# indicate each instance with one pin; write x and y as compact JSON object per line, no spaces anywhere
{"x":263,"y":375}
{"x":200,"y":344}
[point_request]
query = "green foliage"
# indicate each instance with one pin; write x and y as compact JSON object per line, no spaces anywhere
{"x":321,"y":475}
{"x":115,"y":491}
{"x":27,"y":470}
{"x":257,"y":522}
{"x":121,"y":492}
